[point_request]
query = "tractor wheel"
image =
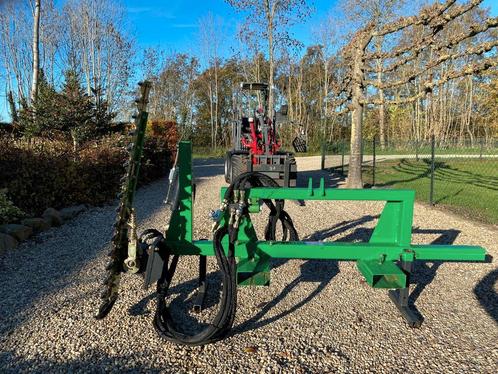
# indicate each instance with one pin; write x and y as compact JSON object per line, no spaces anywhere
{"x":228,"y":166}
{"x":238,"y":166}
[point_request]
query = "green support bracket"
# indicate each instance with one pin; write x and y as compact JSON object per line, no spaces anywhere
{"x":253,"y":272}
{"x":181,"y":222}
{"x":382,"y":275}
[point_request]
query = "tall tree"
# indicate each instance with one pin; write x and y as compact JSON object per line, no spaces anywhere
{"x":211,"y":38}
{"x":377,"y":12}
{"x":434,"y":19}
{"x":41,"y":117}
{"x":77,"y":113}
{"x":97,"y":46}
{"x":36,"y":50}
{"x":271,"y":20}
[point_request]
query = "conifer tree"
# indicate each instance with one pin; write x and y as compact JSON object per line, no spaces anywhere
{"x":102,"y":116}
{"x":76,"y":110}
{"x":45,"y":107}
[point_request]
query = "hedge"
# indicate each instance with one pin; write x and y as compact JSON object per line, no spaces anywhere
{"x":40,"y":173}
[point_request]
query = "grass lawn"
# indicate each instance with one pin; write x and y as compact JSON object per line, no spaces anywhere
{"x":469,"y":187}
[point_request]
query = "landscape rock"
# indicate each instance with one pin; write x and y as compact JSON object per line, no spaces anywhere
{"x":37,"y":224}
{"x":53,"y":216}
{"x":7,"y":242}
{"x":20,"y":232}
{"x":71,"y":212}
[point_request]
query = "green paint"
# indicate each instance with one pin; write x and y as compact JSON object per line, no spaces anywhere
{"x":180,"y":227}
{"x":382,"y":275}
{"x":376,"y":260}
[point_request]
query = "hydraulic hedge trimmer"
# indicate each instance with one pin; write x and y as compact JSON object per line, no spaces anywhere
{"x":124,"y":244}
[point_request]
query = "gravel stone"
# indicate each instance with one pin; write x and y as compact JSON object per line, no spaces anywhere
{"x":306,"y":321}
{"x":52,"y":216}
{"x":71,"y":212}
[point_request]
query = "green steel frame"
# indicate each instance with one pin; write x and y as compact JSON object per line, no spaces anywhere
{"x":385,"y":261}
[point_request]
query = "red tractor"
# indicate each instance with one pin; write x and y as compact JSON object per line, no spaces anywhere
{"x":255,"y":143}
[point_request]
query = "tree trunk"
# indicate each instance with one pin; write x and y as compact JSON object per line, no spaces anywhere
{"x":12,"y":107}
{"x":216,"y":108}
{"x":211,"y":112}
{"x":36,"y":51}
{"x":469,"y":110}
{"x":271,"y":63}
{"x":354,"y":179}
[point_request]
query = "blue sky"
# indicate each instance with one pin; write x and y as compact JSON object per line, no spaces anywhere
{"x":173,"y":25}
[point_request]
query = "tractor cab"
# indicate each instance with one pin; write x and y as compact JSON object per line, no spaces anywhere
{"x":257,"y":130}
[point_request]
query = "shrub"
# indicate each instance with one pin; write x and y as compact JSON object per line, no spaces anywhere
{"x":159,"y":149}
{"x":8,"y":211}
{"x":40,"y":173}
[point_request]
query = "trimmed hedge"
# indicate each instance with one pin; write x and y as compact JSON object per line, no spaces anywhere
{"x":40,"y":173}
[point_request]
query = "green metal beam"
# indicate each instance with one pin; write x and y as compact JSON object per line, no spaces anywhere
{"x":339,"y":250}
{"x":300,"y":193}
{"x":437,"y":252}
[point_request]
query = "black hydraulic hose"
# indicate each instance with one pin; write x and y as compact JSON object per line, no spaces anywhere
{"x":224,"y":319}
{"x":277,"y":212}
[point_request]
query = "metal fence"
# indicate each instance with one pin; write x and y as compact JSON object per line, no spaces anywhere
{"x":450,"y":172}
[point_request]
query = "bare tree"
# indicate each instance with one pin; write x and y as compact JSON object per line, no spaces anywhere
{"x":96,"y":46}
{"x":36,"y":50}
{"x":377,"y":12}
{"x":271,"y":19}
{"x":434,"y":19}
{"x":328,"y":37}
{"x":211,"y":39}
{"x":16,"y":48}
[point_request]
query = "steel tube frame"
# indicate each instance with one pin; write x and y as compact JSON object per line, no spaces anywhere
{"x":377,"y":260}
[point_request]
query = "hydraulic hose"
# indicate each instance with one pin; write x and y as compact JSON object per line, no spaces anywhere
{"x":222,"y":322}
{"x":224,"y":319}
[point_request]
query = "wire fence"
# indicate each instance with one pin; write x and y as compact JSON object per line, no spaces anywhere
{"x":460,"y":174}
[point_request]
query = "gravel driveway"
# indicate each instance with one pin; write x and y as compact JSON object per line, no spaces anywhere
{"x":316,"y":316}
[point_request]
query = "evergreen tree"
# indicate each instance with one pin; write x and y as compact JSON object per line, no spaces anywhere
{"x":102,"y":116}
{"x":41,"y":116}
{"x":76,"y":110}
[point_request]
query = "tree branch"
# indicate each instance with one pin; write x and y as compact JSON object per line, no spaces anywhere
{"x":424,"y":18}
{"x":474,"y":29}
{"x":429,"y":86}
{"x":478,"y":50}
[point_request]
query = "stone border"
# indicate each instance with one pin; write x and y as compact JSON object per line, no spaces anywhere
{"x":12,"y":233}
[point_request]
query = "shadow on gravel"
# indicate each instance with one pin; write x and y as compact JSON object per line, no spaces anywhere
{"x":323,"y":271}
{"x":184,"y":295}
{"x":423,"y":274}
{"x":54,"y":260}
{"x":316,"y":271}
{"x":90,"y":362}
{"x":486,"y":294}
